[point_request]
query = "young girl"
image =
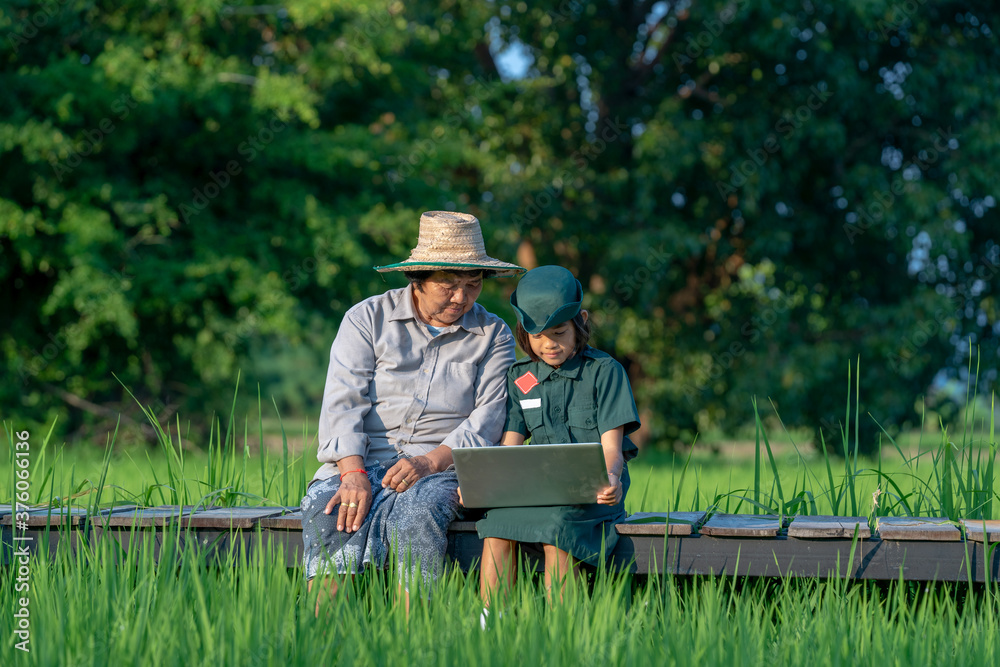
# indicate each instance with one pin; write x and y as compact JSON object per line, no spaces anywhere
{"x":564,"y":391}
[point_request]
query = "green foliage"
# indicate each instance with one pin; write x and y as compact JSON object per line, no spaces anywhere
{"x":752,"y":194}
{"x":754,"y":136}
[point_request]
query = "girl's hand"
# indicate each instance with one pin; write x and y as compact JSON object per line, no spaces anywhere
{"x":611,"y":494}
{"x":460,"y":502}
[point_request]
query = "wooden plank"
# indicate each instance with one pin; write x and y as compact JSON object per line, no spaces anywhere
{"x":228,"y":535}
{"x":130,"y":529}
{"x":51,"y":516}
{"x":289,"y":541}
{"x":922,"y":560}
{"x":742,"y":525}
{"x":764,"y":556}
{"x":781,"y":556}
{"x":148,"y":517}
{"x":69,"y":527}
{"x":661,"y":523}
{"x":829,"y":527}
{"x":223,"y":546}
{"x":118,"y":508}
{"x":974,"y":530}
{"x":102,"y":517}
{"x":760,"y":557}
{"x":58,"y":516}
{"x":290,"y":521}
{"x":126,"y":539}
{"x":6,"y":535}
{"x":48,"y":528}
{"x":283,"y":532}
{"x":230,"y":517}
{"x":924,"y":529}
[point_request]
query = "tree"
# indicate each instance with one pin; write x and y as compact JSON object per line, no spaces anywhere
{"x":815,"y":172}
{"x":752,"y":195}
{"x":182,"y":181}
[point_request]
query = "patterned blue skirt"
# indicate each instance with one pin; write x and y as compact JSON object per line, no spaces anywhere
{"x":412,"y":525}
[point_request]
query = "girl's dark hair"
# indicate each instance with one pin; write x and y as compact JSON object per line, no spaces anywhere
{"x":581,"y":327}
{"x":417,"y":278}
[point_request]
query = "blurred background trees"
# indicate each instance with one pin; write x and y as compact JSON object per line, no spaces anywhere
{"x":754,"y":195}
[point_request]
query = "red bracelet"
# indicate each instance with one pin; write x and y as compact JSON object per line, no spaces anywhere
{"x":360,"y":470}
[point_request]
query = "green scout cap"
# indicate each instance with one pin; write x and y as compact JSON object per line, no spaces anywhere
{"x":545,"y":297}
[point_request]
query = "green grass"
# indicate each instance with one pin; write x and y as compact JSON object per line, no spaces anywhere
{"x":100,"y":608}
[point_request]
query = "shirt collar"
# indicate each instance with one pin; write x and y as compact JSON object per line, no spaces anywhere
{"x":571,"y":368}
{"x":404,"y":310}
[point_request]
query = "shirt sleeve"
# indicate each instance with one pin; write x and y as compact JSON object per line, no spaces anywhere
{"x":345,"y":399}
{"x":484,"y":425}
{"x":615,"y":405}
{"x":515,"y":417}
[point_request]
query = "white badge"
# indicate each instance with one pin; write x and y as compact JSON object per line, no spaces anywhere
{"x":531,"y":403}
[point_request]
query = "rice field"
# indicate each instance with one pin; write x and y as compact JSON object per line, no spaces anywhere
{"x":98,"y":607}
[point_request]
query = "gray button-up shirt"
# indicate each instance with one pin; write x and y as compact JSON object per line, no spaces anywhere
{"x":393,"y":387}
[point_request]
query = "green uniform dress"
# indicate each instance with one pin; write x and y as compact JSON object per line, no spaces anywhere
{"x":586,"y":396}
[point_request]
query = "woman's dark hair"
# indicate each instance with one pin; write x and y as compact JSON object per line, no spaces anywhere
{"x":581,"y":327}
{"x":417,"y":278}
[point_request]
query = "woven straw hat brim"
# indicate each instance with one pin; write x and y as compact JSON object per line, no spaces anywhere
{"x":451,"y":240}
{"x":501,"y":269}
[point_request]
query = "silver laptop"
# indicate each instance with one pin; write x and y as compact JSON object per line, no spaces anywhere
{"x":531,"y":475}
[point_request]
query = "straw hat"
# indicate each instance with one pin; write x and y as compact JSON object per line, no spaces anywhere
{"x":450,"y":240}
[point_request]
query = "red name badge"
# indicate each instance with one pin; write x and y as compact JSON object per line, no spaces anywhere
{"x":526,"y":382}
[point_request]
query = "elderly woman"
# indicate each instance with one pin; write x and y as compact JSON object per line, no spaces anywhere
{"x":414,"y":373}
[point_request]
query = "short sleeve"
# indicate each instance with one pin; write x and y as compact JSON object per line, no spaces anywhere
{"x":615,"y":404}
{"x":515,"y":418}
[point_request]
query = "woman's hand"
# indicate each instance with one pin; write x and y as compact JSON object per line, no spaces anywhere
{"x":354,"y":498}
{"x":405,"y":473}
{"x":611,"y":494}
{"x":460,"y":501}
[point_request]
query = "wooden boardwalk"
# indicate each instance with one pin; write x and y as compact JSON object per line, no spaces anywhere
{"x":916,"y":549}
